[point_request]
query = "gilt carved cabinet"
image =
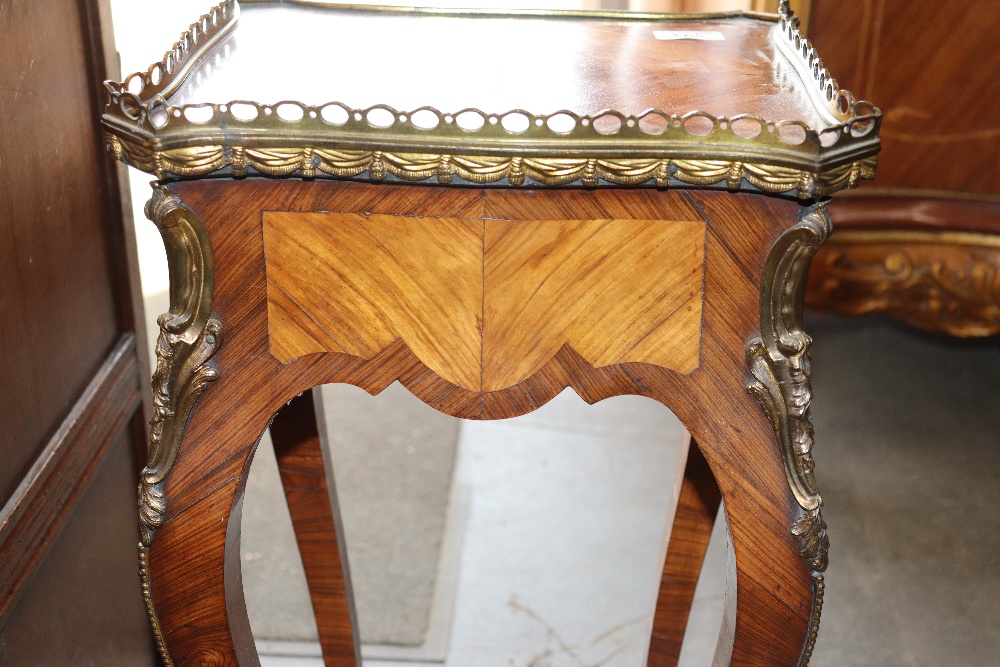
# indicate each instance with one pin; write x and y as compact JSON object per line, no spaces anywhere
{"x":922,"y":243}
{"x":627,"y":208}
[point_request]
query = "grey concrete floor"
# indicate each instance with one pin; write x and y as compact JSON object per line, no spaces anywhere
{"x":908,"y":462}
{"x":562,"y":541}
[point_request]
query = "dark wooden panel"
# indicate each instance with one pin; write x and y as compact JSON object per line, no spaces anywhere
{"x":927,"y":214}
{"x":104,"y":64}
{"x":58,"y":316}
{"x":39,"y":506}
{"x":84,"y":607}
{"x":934,"y":69}
{"x":70,"y":364}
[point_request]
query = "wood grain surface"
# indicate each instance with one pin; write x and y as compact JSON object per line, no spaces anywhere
{"x":612,"y":290}
{"x":915,"y":210}
{"x":934,"y":69}
{"x":584,"y":66}
{"x":73,"y":351}
{"x":56,"y":229}
{"x":42,"y":503}
{"x":938,"y":168}
{"x":298,"y":447}
{"x":697,"y":507}
{"x":195,"y":558}
{"x":354,"y":284}
{"x":485,"y":303}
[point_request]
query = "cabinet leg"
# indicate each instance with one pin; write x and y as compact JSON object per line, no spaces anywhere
{"x":295,"y":433}
{"x":697,"y":507}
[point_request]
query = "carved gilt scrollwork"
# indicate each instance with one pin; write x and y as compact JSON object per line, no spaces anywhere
{"x":188,"y":338}
{"x":779,"y":362}
{"x":947,"y":282}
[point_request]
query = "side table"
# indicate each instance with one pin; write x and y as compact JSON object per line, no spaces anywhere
{"x":630,"y":208}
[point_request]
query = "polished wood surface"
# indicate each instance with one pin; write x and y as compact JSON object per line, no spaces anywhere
{"x":938,"y":172}
{"x":71,"y":427}
{"x":354,"y":284}
{"x":485,"y":303}
{"x":298,"y":448}
{"x":614,"y":291}
{"x":584,"y":66}
{"x":193,"y":561}
{"x":697,"y":507}
{"x":916,"y":211}
{"x":934,"y":69}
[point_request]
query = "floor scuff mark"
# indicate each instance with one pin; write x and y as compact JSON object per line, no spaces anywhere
{"x":608,"y":644}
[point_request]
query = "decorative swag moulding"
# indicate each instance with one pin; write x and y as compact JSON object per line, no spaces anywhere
{"x":810,"y":145}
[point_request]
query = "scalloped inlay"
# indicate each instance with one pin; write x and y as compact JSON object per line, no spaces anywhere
{"x":485,"y":303}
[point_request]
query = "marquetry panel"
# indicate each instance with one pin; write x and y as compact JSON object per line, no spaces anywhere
{"x":613,"y":290}
{"x":355,"y":283}
{"x":485,"y":304}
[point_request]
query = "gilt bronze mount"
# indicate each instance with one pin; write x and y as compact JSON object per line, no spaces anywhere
{"x":188,"y":339}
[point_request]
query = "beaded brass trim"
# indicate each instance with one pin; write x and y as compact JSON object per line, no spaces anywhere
{"x":819,"y":588}
{"x":199,"y":139}
{"x":147,"y":595}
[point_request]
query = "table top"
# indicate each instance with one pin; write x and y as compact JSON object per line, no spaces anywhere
{"x":407,"y":61}
{"x":480,"y":85}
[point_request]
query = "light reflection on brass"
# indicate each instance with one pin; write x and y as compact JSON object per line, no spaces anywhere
{"x":779,"y":362}
{"x":189,"y":337}
{"x":480,"y":169}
